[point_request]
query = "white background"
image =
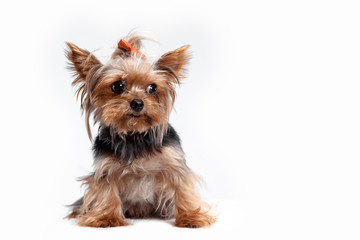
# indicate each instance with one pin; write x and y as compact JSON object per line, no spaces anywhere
{"x":269,"y":115}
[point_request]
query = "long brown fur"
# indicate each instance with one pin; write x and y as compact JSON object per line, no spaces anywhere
{"x":154,"y":185}
{"x":159,"y":186}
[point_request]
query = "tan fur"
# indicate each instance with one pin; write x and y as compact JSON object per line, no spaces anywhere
{"x":94,"y":87}
{"x":84,"y":65}
{"x":175,"y":60}
{"x":160,"y":185}
{"x":156,"y":185}
{"x":114,"y":109}
{"x":134,"y":40}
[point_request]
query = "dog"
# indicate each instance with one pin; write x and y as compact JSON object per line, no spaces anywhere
{"x":139,"y":165}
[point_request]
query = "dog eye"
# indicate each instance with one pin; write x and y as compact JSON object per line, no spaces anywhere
{"x":118,"y":87}
{"x":151,"y":89}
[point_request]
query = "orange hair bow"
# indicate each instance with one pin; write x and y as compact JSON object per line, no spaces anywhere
{"x":128,"y":47}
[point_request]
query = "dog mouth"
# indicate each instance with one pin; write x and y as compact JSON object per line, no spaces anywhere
{"x":135,"y":115}
{"x":141,"y":117}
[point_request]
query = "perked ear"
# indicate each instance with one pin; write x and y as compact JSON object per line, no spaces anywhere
{"x":174,"y":62}
{"x":81,"y":61}
{"x":84,"y":64}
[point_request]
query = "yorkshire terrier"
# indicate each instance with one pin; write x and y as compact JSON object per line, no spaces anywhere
{"x":140,"y":169}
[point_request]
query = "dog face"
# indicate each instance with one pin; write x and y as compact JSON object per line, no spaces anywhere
{"x":131,"y":96}
{"x":127,"y":93}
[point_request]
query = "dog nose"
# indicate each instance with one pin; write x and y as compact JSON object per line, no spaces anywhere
{"x":137,"y":105}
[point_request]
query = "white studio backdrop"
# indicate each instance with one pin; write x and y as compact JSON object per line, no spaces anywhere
{"x":268,"y":116}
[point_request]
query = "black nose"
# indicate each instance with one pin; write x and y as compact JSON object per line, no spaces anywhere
{"x":137,"y":105}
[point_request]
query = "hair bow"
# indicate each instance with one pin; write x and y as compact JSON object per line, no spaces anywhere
{"x":128,"y":47}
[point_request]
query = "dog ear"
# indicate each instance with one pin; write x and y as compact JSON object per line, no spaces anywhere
{"x":84,"y":65}
{"x":174,"y":62}
{"x":81,"y":61}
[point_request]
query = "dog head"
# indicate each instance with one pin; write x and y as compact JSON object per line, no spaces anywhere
{"x":128,"y":93}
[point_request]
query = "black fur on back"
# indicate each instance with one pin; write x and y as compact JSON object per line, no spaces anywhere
{"x":131,"y":146}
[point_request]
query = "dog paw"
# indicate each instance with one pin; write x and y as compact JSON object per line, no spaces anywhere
{"x":103,"y":222}
{"x":197,"y":220}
